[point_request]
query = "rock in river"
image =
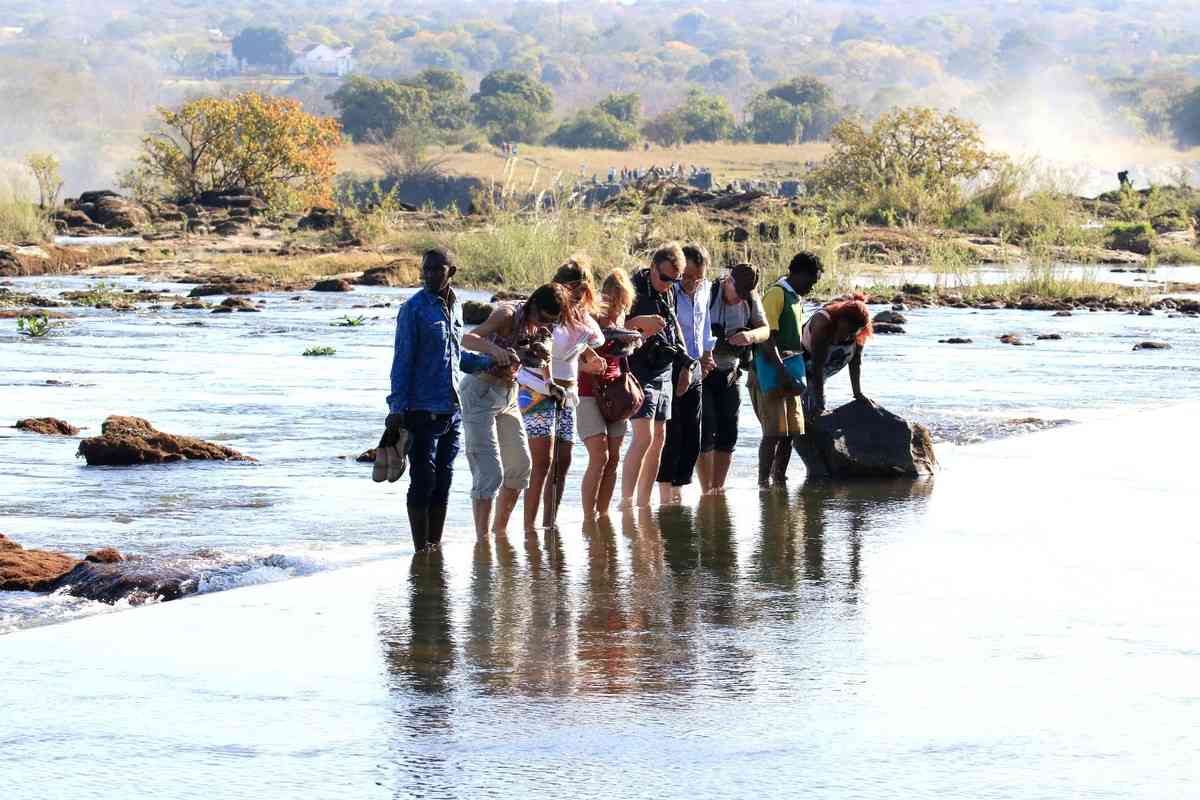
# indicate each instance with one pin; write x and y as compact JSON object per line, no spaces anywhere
{"x":104,"y":575}
{"x":125,"y":441}
{"x":1152,"y":346}
{"x":863,"y":440}
{"x":891,"y":318}
{"x":24,"y":570}
{"x":333,"y":285}
{"x":887,"y":327}
{"x":476,"y":313}
{"x":47,"y":426}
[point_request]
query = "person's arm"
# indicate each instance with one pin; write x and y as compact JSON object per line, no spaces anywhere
{"x":708,"y":341}
{"x":856,"y":373}
{"x":821,"y":334}
{"x":759,"y":330}
{"x":402,"y":359}
{"x":647,"y":324}
{"x":477,"y":339}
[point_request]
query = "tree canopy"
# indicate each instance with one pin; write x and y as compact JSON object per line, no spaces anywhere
{"x":266,"y":146}
{"x":262,"y":47}
{"x":511,"y":106}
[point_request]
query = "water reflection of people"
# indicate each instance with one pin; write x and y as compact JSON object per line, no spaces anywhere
{"x":603,"y":640}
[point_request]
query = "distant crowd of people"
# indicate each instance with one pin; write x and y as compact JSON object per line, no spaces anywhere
{"x":664,"y":352}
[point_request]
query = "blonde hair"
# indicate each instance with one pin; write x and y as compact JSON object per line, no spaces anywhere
{"x":575,"y":275}
{"x":617,"y":290}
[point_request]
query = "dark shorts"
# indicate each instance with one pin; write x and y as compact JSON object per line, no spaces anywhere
{"x":657,"y":405}
{"x":722,"y":404}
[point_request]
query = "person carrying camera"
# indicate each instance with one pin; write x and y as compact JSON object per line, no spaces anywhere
{"x":550,"y":423}
{"x":424,"y":402}
{"x":497,"y":450}
{"x":682,"y":446}
{"x":778,"y":409}
{"x":655,"y":290}
{"x":738,"y":324}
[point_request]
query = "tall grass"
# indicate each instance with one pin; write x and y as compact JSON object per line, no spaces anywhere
{"x":21,"y":220}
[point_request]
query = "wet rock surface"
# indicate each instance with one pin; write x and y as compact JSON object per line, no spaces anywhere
{"x":125,"y":441}
{"x":333,"y":285}
{"x":476,"y":313}
{"x":47,"y":426}
{"x":1152,"y":346}
{"x":864,"y":440}
{"x":24,"y":570}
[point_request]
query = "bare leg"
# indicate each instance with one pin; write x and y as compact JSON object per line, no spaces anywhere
{"x":720,"y":470}
{"x":704,"y":469}
{"x":504,"y":509}
{"x":608,"y":481}
{"x":539,"y":451}
{"x":650,"y":463}
{"x":557,"y":483}
{"x":783,"y":457}
{"x":597,"y":447}
{"x":482,"y":510}
{"x":633,"y":469}
{"x":766,"y":459}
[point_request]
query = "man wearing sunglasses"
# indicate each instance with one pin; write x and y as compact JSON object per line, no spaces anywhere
{"x":656,"y":291}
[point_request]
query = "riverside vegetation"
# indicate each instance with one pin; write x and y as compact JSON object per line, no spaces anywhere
{"x":916,"y":191}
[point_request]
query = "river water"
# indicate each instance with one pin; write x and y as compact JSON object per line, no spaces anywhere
{"x":240,"y":379}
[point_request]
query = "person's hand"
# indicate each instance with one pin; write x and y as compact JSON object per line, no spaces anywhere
{"x":740,"y":339}
{"x":557,"y":392}
{"x":593,"y":364}
{"x":391,"y":429}
{"x":648,"y":325}
{"x":683,"y":382}
{"x":505,"y":357}
{"x":707,"y":364}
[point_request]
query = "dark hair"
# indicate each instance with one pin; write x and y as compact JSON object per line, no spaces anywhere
{"x":437,"y":257}
{"x":549,"y":297}
{"x":671,"y":251}
{"x":805,"y":261}
{"x":697,"y":255}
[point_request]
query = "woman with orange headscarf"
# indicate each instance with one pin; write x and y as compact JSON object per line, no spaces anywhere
{"x":831,"y":339}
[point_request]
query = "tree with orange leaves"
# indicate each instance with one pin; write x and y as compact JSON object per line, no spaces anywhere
{"x":265,"y":146}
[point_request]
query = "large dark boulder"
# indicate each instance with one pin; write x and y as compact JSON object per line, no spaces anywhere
{"x":125,"y":441}
{"x":318,"y":219}
{"x":104,"y":575}
{"x":119,"y":213}
{"x":333,"y":285}
{"x":863,"y":440}
{"x":476,"y":313}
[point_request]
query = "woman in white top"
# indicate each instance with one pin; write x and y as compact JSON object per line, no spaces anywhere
{"x":553,"y":418}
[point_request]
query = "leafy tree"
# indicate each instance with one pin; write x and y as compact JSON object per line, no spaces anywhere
{"x":262,"y":47}
{"x":451,"y":111}
{"x":267,"y":146}
{"x":666,"y":130}
{"x":622,"y":107}
{"x":728,"y":67}
{"x":366,"y":104}
{"x":776,"y":121}
{"x":596,"y":130}
{"x":705,"y":118}
{"x":905,"y":146}
{"x":812,"y":106}
{"x":1185,"y":119}
{"x":44,"y":167}
{"x":511,"y":106}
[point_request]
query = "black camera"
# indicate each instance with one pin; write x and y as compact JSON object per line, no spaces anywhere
{"x":534,"y":350}
{"x":743,"y":352}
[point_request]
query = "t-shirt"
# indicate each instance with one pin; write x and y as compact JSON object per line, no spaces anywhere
{"x":569,"y":343}
{"x":726,"y":318}
{"x":784,"y":312}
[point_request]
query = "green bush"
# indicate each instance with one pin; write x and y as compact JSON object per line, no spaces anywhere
{"x":1136,"y":237}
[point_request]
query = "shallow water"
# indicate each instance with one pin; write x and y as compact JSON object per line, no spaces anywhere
{"x":1022,"y":626}
{"x":240,"y":379}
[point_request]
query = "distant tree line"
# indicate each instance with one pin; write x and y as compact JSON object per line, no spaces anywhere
{"x":513,"y":107}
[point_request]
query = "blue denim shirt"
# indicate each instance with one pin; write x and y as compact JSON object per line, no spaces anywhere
{"x":692,"y":311}
{"x":428,"y":360}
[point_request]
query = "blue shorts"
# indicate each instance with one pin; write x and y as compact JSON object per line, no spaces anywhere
{"x":657,"y":405}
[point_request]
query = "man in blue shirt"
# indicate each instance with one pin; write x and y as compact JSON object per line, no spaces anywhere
{"x":426,"y":368}
{"x":682,"y":448}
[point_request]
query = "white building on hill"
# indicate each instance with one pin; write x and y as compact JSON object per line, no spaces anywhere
{"x":320,"y":59}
